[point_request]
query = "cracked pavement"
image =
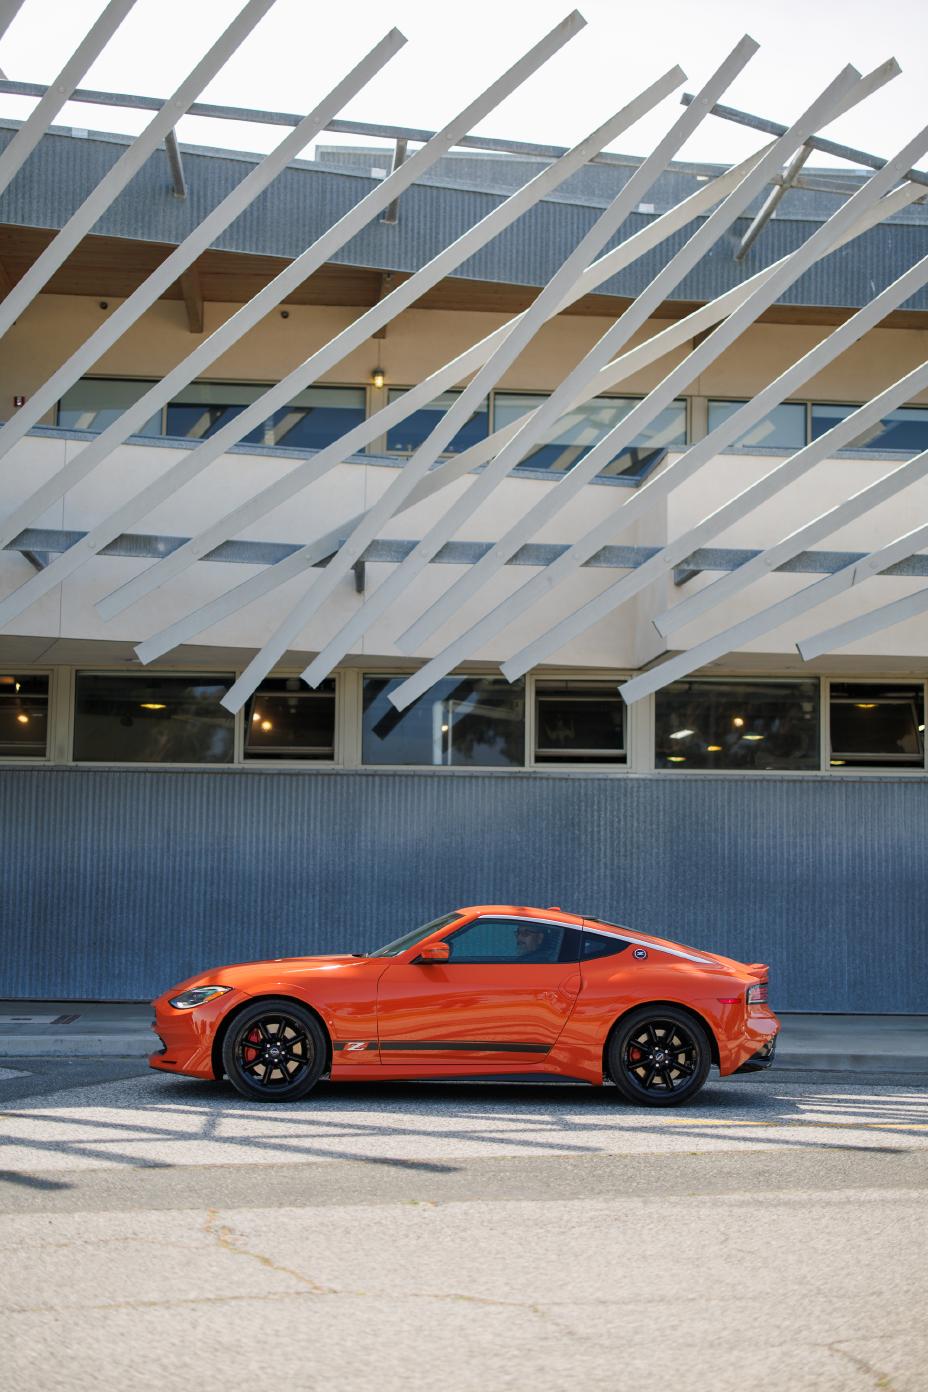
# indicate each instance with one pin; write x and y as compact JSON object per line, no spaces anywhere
{"x":157,"y":1230}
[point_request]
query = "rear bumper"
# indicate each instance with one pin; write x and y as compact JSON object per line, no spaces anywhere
{"x":762,"y":1059}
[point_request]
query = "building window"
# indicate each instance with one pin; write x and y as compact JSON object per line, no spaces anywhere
{"x":579,"y":722}
{"x":877,"y":724}
{"x":578,"y":431}
{"x":152,"y":719}
{"x":23,"y":717}
{"x":905,"y":429}
{"x":461,"y":722}
{"x":784,"y":428}
{"x":313,"y":419}
{"x":285,"y":719}
{"x":96,"y":402}
{"x":737,"y":724}
{"x":416,"y":428}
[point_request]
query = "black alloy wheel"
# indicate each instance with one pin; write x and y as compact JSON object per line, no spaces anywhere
{"x":274,"y":1051}
{"x":659,"y":1056}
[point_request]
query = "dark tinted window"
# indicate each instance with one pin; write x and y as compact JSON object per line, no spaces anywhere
{"x":514,"y":940}
{"x":579,"y":722}
{"x":23,"y":716}
{"x":600,"y":945}
{"x":312,"y":420}
{"x":582,"y":428}
{"x":904,"y":429}
{"x":286,"y":719}
{"x":153,"y":719}
{"x":737,"y":724}
{"x":874,"y":724}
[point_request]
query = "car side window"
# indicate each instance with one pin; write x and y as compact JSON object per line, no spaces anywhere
{"x":499,"y":940}
{"x":600,"y":945}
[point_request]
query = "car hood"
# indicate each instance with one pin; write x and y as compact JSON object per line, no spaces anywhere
{"x":242,"y":975}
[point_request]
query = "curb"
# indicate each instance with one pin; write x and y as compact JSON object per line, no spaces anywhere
{"x":78,"y":1046}
{"x":852,"y":1063}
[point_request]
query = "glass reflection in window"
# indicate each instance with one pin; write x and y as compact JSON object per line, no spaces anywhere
{"x":460,"y":722}
{"x":905,"y":429}
{"x":579,"y":722}
{"x":411,"y":432}
{"x":784,"y":428}
{"x":312,"y":420}
{"x":877,"y":723}
{"x":737,"y":724}
{"x":286,"y":719}
{"x":23,"y":716}
{"x":152,"y":719}
{"x":579,"y":430}
{"x":95,"y":403}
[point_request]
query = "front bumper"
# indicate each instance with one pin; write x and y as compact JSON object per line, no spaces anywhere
{"x":187,"y":1036}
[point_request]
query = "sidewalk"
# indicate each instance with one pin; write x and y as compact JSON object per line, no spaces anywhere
{"x":82,"y":1029}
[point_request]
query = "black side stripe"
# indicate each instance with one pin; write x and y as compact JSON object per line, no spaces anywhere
{"x":493,"y":1046}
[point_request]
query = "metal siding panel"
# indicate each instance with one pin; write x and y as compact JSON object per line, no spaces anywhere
{"x":121,"y":882}
{"x":304,"y":201}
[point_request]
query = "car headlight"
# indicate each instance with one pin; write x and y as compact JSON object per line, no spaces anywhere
{"x":199,"y":995}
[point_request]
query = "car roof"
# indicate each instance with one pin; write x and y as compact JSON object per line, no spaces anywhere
{"x":552,"y":913}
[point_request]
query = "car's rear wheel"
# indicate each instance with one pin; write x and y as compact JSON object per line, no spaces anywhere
{"x":274,"y":1051}
{"x":659,"y":1056}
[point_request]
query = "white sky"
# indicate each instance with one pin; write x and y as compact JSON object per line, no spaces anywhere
{"x":302,"y":47}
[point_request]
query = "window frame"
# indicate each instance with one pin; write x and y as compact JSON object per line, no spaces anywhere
{"x":744,"y":676}
{"x":887,"y":770}
{"x":244,"y":760}
{"x":577,"y":765}
{"x":26,"y":669}
{"x":408,"y":454}
{"x":804,"y":402}
{"x":515,"y":961}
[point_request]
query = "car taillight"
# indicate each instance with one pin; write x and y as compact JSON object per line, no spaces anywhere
{"x":757,"y":995}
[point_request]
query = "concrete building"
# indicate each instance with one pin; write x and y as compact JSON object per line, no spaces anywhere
{"x":765,"y":806}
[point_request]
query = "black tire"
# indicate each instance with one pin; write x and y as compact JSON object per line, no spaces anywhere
{"x":264,"y":1070}
{"x":659,"y":1056}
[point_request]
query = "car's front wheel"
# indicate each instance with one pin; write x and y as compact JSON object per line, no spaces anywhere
{"x":659,"y":1056}
{"x":274,"y":1051}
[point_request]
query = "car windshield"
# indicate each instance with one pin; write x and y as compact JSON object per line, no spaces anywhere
{"x":393,"y":949}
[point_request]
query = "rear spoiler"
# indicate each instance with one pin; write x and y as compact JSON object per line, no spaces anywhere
{"x":758,"y":969}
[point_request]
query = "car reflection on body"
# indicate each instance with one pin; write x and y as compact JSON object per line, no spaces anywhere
{"x":485,"y":992}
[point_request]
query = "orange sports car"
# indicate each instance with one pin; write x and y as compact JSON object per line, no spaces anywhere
{"x":484,"y":992}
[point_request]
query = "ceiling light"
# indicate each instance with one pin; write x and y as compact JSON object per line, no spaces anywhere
{"x":152,"y":705}
{"x":23,"y":719}
{"x":753,"y":738}
{"x":378,"y":377}
{"x":256,"y":716}
{"x":266,"y":725}
{"x":444,"y":729}
{"x":921,"y":727}
{"x":676,"y":758}
{"x":713,"y":749}
{"x":738,"y":722}
{"x":681,"y":734}
{"x":866,"y":705}
{"x":836,"y":762}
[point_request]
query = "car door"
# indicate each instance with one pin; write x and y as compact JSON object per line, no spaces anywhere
{"x":501,"y":999}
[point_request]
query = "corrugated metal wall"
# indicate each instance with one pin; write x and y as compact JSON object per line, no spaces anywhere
{"x":118,"y":883}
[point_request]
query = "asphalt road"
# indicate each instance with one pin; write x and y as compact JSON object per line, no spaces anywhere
{"x":158,"y":1232}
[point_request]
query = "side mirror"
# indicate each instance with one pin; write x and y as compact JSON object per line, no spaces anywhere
{"x":434,"y":952}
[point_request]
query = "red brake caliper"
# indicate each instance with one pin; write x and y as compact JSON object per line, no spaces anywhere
{"x":252,"y":1042}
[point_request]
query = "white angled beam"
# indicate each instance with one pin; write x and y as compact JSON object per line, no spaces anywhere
{"x":244,"y":319}
{"x":775,"y":615}
{"x":203,"y":235}
{"x":658,"y":487}
{"x":128,"y":164}
{"x":46,"y":109}
{"x":825,"y":525}
{"x":821,"y":110}
{"x":863,"y":625}
{"x":415,"y":470}
{"x":768,"y":560}
{"x":760,"y":492}
{"x":602,"y":231}
{"x":679,"y":333}
{"x":310,"y":470}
